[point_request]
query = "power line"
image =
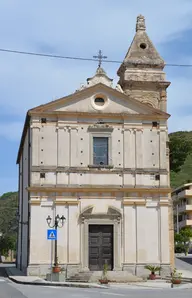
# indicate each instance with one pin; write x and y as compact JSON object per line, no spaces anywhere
{"x":78,"y":58}
{"x":55,"y":56}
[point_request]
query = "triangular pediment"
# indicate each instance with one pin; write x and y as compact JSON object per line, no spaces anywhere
{"x":84,"y":101}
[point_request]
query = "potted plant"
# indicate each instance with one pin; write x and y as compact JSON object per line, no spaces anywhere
{"x":153,"y":270}
{"x":104,"y":279}
{"x":176,"y":277}
{"x":56,"y":268}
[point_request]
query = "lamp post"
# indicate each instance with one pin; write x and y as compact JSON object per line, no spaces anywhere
{"x":58,"y":222}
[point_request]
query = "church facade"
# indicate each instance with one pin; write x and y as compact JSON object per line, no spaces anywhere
{"x":100,"y":158}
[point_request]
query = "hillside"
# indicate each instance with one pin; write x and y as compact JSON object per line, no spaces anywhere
{"x":180,"y":157}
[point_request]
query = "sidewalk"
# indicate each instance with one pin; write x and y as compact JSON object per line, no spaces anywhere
{"x":184,"y":268}
{"x":17,"y":276}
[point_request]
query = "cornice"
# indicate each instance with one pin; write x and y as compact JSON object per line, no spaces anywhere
{"x":152,"y":116}
{"x":100,"y":188}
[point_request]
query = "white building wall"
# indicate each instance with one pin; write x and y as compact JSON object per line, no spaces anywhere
{"x":70,"y":146}
{"x":20,"y":195}
{"x":147,"y":235}
{"x":130,"y":235}
{"x":22,"y":258}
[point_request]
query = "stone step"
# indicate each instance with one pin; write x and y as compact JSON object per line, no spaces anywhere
{"x":94,"y":276}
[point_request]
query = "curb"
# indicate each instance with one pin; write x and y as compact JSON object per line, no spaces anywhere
{"x":57,"y":284}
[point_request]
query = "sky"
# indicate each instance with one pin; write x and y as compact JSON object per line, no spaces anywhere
{"x":81,"y":28}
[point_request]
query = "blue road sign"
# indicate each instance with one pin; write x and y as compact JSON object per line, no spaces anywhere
{"x":52,"y":234}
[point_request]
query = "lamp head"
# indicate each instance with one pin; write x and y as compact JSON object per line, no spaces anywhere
{"x":48,"y":219}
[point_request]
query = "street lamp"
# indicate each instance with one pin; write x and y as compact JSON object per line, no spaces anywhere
{"x":58,"y":222}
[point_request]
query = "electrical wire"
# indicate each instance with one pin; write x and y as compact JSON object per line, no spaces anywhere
{"x":78,"y":58}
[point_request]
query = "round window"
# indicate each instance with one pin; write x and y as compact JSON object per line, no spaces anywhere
{"x":99,"y":101}
{"x":143,"y":46}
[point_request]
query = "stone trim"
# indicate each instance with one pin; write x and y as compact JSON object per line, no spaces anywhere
{"x":100,"y":128}
{"x":85,"y":240}
{"x":134,"y":202}
{"x":35,"y":202}
{"x":62,"y":202}
{"x":101,"y":188}
{"x":92,"y":168}
{"x":105,"y":135}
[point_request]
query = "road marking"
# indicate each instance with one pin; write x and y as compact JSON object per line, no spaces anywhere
{"x":2,"y":280}
{"x":109,"y":293}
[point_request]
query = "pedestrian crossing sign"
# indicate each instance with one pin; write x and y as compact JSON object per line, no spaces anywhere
{"x":52,"y":234}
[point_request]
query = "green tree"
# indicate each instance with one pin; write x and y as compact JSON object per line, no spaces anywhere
{"x":180,"y":146}
{"x":7,"y":243}
{"x":182,"y":240}
{"x":8,"y":222}
{"x":180,"y":157}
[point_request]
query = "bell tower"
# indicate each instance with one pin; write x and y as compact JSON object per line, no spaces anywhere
{"x":141,"y":74}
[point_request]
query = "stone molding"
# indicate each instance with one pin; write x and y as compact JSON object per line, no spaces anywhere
{"x":86,"y":219}
{"x":100,"y":188}
{"x":94,"y":169}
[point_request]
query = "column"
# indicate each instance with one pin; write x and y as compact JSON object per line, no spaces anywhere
{"x":63,"y":142}
{"x":85,"y":246}
{"x":163,"y":146}
{"x":74,"y":237}
{"x":129,"y":235}
{"x":139,"y":149}
{"x":128,"y":149}
{"x":35,"y":145}
{"x":117,"y":245}
{"x":164,"y":230}
{"x":74,"y":147}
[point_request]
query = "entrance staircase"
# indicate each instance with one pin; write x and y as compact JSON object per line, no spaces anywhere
{"x":94,"y":276}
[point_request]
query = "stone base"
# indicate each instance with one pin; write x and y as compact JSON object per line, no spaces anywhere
{"x":60,"y":277}
{"x":115,"y":276}
{"x":140,"y":271}
{"x":42,"y":269}
{"x":72,"y":269}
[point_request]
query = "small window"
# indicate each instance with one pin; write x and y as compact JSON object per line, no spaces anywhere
{"x":100,"y":151}
{"x":155,"y":124}
{"x":99,"y":101}
{"x":42,"y":175}
{"x":43,"y":120}
{"x":157,"y":177}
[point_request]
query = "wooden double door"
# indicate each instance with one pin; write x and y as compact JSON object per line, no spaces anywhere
{"x":100,"y":247}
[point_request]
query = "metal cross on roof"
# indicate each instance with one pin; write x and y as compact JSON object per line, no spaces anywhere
{"x":100,"y":57}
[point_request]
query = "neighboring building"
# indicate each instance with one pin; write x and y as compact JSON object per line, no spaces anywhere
{"x":182,"y":204}
{"x":99,"y":157}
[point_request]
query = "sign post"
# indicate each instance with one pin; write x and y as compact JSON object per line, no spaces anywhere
{"x":51,"y":235}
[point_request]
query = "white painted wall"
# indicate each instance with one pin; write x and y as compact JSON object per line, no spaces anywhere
{"x":22,"y":259}
{"x":70,"y":147}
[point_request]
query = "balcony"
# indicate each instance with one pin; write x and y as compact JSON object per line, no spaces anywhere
{"x":185,"y":223}
{"x":184,"y":208}
{"x":185,"y":193}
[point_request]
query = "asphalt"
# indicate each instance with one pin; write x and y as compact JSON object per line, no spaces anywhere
{"x":3,"y":272}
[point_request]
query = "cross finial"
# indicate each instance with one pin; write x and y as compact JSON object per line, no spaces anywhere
{"x":100,"y":58}
{"x":140,"y":26}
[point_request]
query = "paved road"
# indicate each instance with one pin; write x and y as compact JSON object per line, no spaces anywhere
{"x":12,"y":290}
{"x":6,"y":290}
{"x":48,"y":292}
{"x":9,"y":289}
{"x":187,"y":260}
